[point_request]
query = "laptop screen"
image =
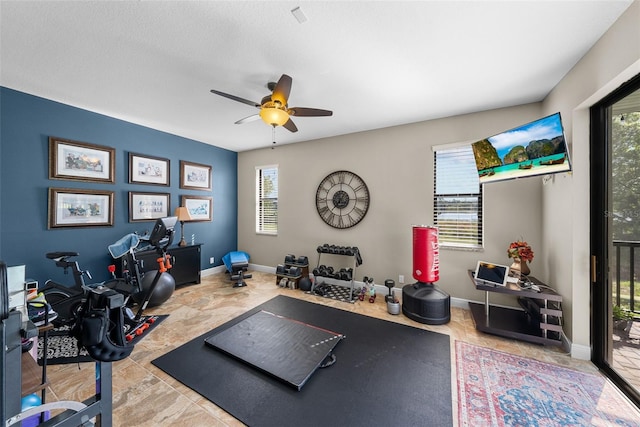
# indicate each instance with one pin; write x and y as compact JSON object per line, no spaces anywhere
{"x":491,"y":274}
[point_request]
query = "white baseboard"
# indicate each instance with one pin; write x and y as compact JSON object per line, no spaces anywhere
{"x":212,"y":271}
{"x":582,"y":352}
{"x":262,"y":268}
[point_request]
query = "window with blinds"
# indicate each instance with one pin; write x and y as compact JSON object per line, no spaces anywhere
{"x":267,"y":199}
{"x":457,"y":198}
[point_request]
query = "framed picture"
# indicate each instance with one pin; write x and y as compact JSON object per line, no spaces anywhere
{"x":72,"y":207}
{"x":194,"y":176}
{"x":80,"y":161}
{"x":148,"y":170}
{"x":148,"y":206}
{"x":200,"y":207}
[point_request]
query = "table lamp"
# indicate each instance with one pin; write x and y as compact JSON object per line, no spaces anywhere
{"x":183,"y":215}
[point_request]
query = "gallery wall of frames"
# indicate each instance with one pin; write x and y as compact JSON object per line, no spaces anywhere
{"x":83,"y":161}
{"x":74,"y":180}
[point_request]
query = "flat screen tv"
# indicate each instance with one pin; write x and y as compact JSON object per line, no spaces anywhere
{"x":537,"y":148}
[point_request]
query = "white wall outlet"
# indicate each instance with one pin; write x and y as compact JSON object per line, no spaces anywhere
{"x":212,"y":260}
{"x":401,"y":279}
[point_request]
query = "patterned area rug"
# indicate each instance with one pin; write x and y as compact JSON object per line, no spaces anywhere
{"x":501,"y":389}
{"x":63,"y":348}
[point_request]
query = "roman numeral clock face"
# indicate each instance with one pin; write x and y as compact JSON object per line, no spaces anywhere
{"x":342,"y":199}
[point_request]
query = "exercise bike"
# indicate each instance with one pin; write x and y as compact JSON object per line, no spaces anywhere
{"x":153,"y":287}
{"x":66,"y":300}
{"x":135,"y":286}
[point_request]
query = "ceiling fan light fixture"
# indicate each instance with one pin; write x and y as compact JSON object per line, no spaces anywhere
{"x":274,"y":116}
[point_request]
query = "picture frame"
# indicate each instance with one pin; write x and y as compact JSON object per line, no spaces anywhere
{"x":195,"y":176}
{"x":148,"y":206}
{"x":80,"y":161}
{"x":73,"y":207}
{"x":151,"y":170}
{"x":200,"y":207}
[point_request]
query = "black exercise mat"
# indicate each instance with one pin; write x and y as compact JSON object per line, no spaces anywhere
{"x":62,"y":348}
{"x":286,"y":348}
{"x":386,"y":374}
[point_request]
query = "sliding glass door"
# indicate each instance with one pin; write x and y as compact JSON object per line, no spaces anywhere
{"x":615,"y":213}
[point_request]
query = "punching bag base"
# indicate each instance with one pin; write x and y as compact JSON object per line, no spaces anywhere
{"x":426,"y":303}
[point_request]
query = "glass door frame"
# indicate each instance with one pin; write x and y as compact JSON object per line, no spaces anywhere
{"x":600,"y":171}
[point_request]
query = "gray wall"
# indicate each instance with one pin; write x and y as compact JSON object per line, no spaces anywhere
{"x":396,"y":163}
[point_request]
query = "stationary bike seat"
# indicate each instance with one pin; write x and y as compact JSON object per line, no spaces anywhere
{"x":58,"y":255}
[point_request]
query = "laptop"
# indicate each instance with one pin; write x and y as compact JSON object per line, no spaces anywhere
{"x":490,"y":274}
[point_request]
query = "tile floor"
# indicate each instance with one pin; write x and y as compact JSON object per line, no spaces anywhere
{"x":143,"y":395}
{"x":626,"y":354}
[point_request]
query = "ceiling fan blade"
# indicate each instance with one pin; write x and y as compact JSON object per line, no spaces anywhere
{"x":309,"y":112}
{"x":282,"y":90}
{"x":236,"y":98}
{"x":290,"y":126}
{"x":251,"y":118}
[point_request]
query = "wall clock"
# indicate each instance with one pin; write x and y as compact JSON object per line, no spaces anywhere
{"x":342,"y":199}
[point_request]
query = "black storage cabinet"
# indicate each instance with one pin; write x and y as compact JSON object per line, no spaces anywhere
{"x":185,"y":263}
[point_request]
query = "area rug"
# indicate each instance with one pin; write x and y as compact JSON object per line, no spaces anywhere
{"x":501,"y":389}
{"x":62,"y":348}
{"x":385,"y":374}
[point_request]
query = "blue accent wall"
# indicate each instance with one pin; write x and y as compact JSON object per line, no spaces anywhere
{"x":28,"y":121}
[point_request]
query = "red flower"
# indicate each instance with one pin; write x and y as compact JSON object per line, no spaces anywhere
{"x":520,"y":249}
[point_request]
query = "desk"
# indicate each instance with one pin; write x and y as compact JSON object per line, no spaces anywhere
{"x":539,"y":321}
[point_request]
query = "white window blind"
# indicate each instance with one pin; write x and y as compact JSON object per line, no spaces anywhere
{"x":457,"y":198}
{"x":267,"y":199}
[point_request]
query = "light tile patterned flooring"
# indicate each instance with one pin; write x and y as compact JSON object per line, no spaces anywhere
{"x":143,"y":395}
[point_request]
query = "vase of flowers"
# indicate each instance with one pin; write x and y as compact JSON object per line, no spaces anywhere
{"x":521,"y":253}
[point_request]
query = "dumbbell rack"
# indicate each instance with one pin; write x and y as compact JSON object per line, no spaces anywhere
{"x":344,"y":283}
{"x":292,"y":261}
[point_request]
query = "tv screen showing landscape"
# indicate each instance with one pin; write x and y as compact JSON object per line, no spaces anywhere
{"x":537,"y":148}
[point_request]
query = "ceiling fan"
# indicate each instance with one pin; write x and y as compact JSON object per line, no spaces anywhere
{"x":274,"y":110}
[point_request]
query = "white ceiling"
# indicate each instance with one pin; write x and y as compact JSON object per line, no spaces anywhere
{"x":375,"y":64}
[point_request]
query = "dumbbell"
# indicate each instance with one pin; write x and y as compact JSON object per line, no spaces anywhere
{"x":356,"y":252}
{"x":294,"y":271}
{"x":290,"y":259}
{"x":280,"y":269}
{"x":303,"y":260}
{"x":389,"y":284}
{"x":320,"y":271}
{"x":349,"y":274}
{"x":343,"y":274}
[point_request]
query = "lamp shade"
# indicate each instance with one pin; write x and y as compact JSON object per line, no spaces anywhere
{"x":274,"y":116}
{"x":183,"y":214}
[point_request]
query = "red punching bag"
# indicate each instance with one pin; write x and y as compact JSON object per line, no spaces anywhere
{"x":426,"y":254}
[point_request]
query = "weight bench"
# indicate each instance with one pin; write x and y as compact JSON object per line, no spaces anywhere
{"x":237,"y":263}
